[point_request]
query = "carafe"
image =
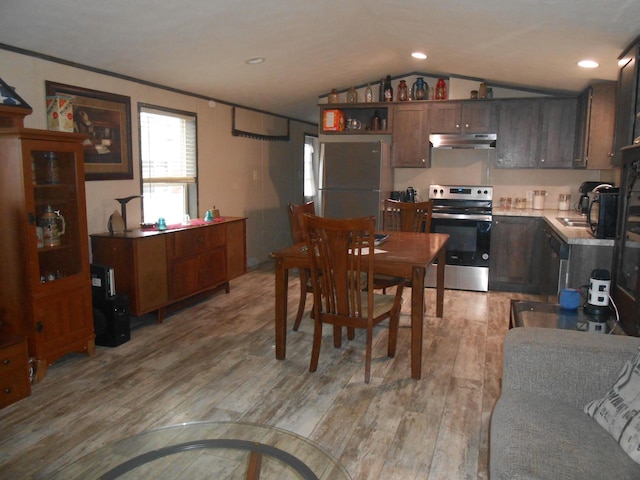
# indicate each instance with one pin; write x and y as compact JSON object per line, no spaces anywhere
{"x":419,"y":89}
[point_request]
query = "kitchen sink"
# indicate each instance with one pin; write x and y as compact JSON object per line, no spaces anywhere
{"x":573,"y":222}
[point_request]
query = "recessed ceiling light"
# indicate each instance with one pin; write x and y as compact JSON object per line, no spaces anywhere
{"x":255,"y":60}
{"x":419,"y":55}
{"x":588,"y":64}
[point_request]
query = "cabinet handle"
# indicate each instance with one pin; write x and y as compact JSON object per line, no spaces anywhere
{"x":542,"y":160}
{"x":32,"y":218}
{"x":457,"y":125}
{"x":466,"y":125}
{"x":39,"y":327}
{"x":7,"y":390}
{"x":6,"y":361}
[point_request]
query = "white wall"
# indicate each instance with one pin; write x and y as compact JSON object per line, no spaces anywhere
{"x":241,"y":177}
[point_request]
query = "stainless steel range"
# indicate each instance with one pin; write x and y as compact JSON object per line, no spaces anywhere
{"x":464,"y":212}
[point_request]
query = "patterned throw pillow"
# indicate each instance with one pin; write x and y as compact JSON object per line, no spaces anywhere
{"x":618,"y":412}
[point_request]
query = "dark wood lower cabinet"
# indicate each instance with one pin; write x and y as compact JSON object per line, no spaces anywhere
{"x":516,"y":263}
{"x":158,"y":269}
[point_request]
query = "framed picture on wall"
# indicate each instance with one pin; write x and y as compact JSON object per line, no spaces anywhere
{"x":106,"y":118}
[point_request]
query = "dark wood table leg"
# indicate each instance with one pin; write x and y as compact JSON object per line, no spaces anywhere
{"x":255,"y":463}
{"x":282,"y":283}
{"x":417,"y":316}
{"x":440,"y":283}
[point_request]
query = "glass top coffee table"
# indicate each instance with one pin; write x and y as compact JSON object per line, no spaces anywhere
{"x":547,"y":315}
{"x":206,"y":450}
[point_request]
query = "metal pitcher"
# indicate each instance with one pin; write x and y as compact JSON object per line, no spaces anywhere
{"x":53,"y":226}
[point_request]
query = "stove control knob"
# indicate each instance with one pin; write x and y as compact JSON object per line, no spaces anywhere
{"x":485,"y":256}
{"x":441,"y":191}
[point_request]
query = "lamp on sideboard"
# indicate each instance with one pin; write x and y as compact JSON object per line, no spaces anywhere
{"x":123,"y":208}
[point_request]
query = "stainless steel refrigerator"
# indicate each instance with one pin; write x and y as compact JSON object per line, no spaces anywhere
{"x":355,"y":178}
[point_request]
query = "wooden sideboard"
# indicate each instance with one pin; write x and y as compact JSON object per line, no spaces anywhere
{"x":158,"y":269}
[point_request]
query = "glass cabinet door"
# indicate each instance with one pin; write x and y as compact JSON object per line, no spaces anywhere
{"x":54,"y":215}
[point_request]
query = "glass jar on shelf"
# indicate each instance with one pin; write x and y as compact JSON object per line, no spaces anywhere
{"x":352,"y":95}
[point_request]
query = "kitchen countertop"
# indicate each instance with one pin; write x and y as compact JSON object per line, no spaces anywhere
{"x":571,"y":235}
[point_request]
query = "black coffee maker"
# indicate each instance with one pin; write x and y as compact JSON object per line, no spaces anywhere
{"x":585,"y":189}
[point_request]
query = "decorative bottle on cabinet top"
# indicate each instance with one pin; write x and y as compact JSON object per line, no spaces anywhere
{"x":441,"y":90}
{"x":368,"y":94}
{"x":352,"y":95}
{"x":388,"y":90}
{"x":333,"y":96}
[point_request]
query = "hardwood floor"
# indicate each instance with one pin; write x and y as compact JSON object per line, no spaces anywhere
{"x":215,"y":361}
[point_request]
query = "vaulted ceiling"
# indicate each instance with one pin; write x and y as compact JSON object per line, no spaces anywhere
{"x":201,"y":46}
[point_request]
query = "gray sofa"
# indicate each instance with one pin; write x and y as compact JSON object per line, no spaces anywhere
{"x":538,"y":428}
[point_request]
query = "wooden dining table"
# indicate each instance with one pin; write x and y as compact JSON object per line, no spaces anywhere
{"x":403,"y":254}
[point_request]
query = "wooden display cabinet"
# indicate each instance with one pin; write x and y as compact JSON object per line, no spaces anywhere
{"x":46,"y":288}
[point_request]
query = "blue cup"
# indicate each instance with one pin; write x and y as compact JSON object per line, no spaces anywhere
{"x":570,"y":298}
{"x":162,"y":224}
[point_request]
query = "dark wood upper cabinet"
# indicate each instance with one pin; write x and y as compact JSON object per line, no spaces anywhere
{"x":536,"y":133}
{"x":628,"y":101}
{"x":410,"y":146}
{"x":518,"y":126}
{"x":595,"y":129}
{"x":471,"y":116}
{"x":557,"y":132}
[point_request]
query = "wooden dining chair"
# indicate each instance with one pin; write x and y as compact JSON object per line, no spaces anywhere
{"x":296,"y":211}
{"x":407,"y":216}
{"x":403,"y":217}
{"x":342,"y":260}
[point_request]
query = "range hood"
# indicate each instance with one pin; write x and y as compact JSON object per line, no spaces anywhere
{"x":463,"y":140}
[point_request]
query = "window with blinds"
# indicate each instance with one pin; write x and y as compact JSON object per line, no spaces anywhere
{"x":168,"y":163}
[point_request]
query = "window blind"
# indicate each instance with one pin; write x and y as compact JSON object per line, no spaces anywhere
{"x":167,"y":146}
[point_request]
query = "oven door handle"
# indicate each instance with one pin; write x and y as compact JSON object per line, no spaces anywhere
{"x":462,"y":216}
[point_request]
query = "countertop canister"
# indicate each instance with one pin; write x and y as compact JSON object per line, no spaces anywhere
{"x":538,"y":199}
{"x":564,"y":201}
